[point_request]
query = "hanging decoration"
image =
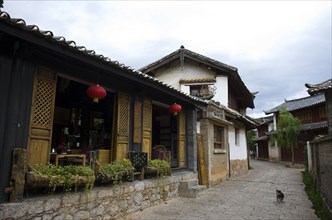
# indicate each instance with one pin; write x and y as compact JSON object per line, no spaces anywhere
{"x":175,"y":108}
{"x":96,"y":92}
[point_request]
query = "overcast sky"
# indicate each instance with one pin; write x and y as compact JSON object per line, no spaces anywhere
{"x":277,"y":46}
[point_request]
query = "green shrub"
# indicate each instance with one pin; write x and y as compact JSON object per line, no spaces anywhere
{"x":66,"y":176}
{"x":162,"y":166}
{"x":116,"y":171}
{"x":314,"y":195}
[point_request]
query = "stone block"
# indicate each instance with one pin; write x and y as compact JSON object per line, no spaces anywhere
{"x":105,"y":193}
{"x":70,"y":200}
{"x":82,"y":215}
{"x":36,"y":207}
{"x":138,"y":198}
{"x":98,"y":211}
{"x":139,"y":186}
{"x":52,"y":204}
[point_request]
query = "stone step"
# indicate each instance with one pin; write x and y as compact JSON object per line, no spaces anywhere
{"x":185,"y":175}
{"x":190,"y":188}
{"x":193,"y":192}
{"x":185,"y":184}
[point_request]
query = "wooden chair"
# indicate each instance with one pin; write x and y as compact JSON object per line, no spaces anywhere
{"x":160,"y":152}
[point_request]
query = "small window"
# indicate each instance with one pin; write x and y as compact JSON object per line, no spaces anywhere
{"x":237,"y":136}
{"x":219,"y":138}
{"x":203,"y":91}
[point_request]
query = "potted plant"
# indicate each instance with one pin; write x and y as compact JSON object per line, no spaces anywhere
{"x":68,"y":177}
{"x":160,"y":167}
{"x":115,"y":172}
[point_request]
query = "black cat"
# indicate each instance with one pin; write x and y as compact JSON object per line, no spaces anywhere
{"x":280,"y":196}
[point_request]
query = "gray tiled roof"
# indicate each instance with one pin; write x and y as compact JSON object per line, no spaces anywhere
{"x":303,"y":127}
{"x":60,"y":40}
{"x":316,"y":88}
{"x":248,"y":120}
{"x":313,"y":126}
{"x":193,"y":54}
{"x":296,"y":104}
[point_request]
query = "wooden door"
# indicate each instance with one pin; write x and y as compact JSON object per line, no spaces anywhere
{"x":121,"y":144}
{"x":147,"y":127}
{"x":41,"y":120}
{"x":182,"y":157}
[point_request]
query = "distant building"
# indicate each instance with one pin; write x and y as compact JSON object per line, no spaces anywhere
{"x":265,"y":149}
{"x":312,"y":113}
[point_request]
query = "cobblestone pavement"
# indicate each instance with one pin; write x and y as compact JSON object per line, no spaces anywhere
{"x":248,"y":197}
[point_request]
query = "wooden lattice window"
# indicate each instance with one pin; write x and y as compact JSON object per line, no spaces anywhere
{"x":123,"y":114}
{"x":219,"y":138}
{"x":147,"y":116}
{"x":42,"y":115}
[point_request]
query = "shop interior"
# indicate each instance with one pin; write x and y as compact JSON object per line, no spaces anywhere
{"x":80,"y":125}
{"x":164,"y":131}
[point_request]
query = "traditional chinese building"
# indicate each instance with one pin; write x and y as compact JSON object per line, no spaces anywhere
{"x":223,"y":124}
{"x":46,"y":110}
{"x":311,"y":111}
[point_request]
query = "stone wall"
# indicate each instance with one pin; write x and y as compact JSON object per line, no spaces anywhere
{"x":99,"y":203}
{"x":323,"y":166}
{"x":239,"y":167}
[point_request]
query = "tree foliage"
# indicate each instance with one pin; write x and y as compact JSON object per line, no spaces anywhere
{"x":288,"y":130}
{"x":251,"y":135}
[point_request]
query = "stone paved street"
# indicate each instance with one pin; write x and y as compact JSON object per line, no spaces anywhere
{"x":249,"y":197}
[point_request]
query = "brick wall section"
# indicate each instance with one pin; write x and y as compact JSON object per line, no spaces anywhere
{"x":239,"y":167}
{"x":99,"y":203}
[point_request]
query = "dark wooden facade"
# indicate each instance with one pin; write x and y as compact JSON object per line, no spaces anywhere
{"x":16,"y":80}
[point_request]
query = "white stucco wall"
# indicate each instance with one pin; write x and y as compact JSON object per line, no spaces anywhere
{"x":274,"y":151}
{"x":173,"y":74}
{"x":222,"y":90}
{"x":170,"y":75}
{"x":237,"y":152}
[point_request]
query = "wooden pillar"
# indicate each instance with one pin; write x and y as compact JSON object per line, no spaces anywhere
{"x":202,"y":171}
{"x":182,"y":157}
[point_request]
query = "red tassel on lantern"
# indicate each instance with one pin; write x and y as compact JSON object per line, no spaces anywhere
{"x":96,"y":92}
{"x":175,"y":108}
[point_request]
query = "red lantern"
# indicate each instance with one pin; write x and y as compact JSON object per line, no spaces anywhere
{"x":96,"y":92}
{"x":175,"y":108}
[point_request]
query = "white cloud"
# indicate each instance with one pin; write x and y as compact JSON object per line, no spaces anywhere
{"x":278,"y":46}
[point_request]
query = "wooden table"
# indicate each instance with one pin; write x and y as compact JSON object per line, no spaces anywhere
{"x":60,"y":156}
